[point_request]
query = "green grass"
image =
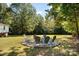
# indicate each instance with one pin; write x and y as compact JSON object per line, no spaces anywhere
{"x":12,"y":46}
{"x":7,"y":42}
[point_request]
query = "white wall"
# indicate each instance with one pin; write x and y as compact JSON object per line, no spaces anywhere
{"x":3,"y":30}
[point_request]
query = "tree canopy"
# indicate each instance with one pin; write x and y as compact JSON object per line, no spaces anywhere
{"x":23,"y":18}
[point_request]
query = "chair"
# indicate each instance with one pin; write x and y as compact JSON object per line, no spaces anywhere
{"x":54,"y":38}
{"x":47,"y":39}
{"x":48,"y":42}
{"x":37,"y":39}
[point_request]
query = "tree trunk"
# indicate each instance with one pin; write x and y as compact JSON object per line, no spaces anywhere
{"x":76,"y":22}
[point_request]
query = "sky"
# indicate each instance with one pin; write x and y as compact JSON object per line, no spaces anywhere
{"x":40,"y":8}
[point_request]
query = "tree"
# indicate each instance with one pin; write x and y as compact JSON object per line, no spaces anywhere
{"x":71,"y":12}
{"x":67,"y":13}
{"x":25,"y":18}
{"x":39,"y":27}
{"x":55,"y":15}
{"x":4,"y":13}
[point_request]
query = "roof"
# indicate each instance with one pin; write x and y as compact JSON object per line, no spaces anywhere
{"x":3,"y":24}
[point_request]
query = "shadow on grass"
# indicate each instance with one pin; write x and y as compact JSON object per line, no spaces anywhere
{"x":13,"y":53}
{"x":50,"y":51}
{"x":38,"y":51}
{"x":2,"y":54}
{"x":77,"y":47}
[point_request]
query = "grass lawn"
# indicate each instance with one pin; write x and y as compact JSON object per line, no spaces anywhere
{"x":12,"y":46}
{"x":7,"y":42}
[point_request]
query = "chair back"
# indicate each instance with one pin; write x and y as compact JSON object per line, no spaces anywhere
{"x":53,"y":38}
{"x":47,"y":39}
{"x":37,"y":39}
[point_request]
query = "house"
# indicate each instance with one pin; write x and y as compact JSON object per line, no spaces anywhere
{"x":4,"y":29}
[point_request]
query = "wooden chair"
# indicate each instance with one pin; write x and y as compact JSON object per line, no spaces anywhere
{"x":37,"y":39}
{"x":54,"y":38}
{"x":47,"y":39}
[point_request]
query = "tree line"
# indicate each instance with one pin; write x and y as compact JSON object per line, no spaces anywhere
{"x":23,"y":19}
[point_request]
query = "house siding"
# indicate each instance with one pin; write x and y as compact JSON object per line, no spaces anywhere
{"x":4,"y":28}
